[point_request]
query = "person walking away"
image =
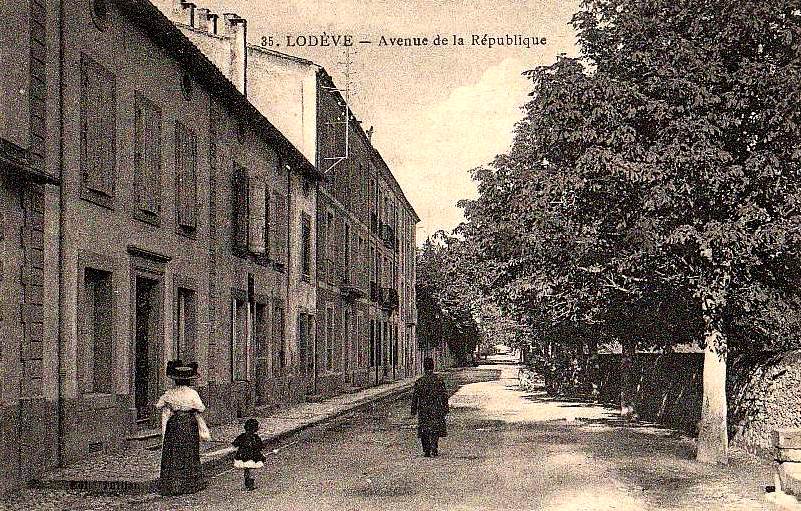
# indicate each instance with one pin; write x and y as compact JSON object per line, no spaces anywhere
{"x":182,"y":428}
{"x":430,"y":404}
{"x":249,"y":455}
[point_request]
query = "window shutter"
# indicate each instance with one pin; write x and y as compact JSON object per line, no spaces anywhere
{"x":274,"y":226}
{"x":98,"y":127}
{"x":321,"y":236}
{"x":268,"y":236}
{"x":140,"y":129}
{"x":280,"y":228}
{"x":185,"y":166}
{"x":256,"y":216}
{"x":153,"y":161}
{"x":147,"y":156}
{"x":239,"y":223}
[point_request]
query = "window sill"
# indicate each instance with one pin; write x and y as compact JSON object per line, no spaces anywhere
{"x":147,"y":217}
{"x":98,"y":198}
{"x":97,"y":400}
{"x":187,"y":232}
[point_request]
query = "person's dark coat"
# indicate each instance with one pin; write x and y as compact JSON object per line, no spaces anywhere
{"x":430,"y":404}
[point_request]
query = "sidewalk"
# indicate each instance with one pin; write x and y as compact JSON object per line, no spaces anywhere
{"x":136,"y":470}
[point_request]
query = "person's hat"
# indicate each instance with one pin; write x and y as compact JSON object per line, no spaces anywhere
{"x":177,"y":370}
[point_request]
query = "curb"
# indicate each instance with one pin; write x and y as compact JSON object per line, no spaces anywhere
{"x":216,"y":465}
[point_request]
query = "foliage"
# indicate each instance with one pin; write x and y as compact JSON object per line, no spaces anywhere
{"x":651,"y":194}
{"x":447,"y":302}
{"x":652,"y":185}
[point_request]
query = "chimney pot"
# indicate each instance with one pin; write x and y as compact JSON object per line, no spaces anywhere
{"x":202,"y":19}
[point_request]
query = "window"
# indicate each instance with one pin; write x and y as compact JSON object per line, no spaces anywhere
{"x":362,"y":258}
{"x":97,"y":332}
{"x":239,"y":202}
{"x":346,"y":255}
{"x":347,"y":340}
{"x":331,"y":228}
{"x":279,"y":241}
{"x":372,"y":343}
{"x":305,"y":249}
{"x":329,"y":339}
{"x":186,"y":177}
{"x":358,"y":340}
{"x":257,"y":215}
{"x":394,"y":345}
{"x":98,"y":133}
{"x":261,"y":338}
{"x":147,"y":160}
{"x":279,"y":353}
{"x":305,"y":339}
{"x":185,"y":325}
{"x":186,"y":85}
{"x":100,"y":13}
{"x":239,"y":337}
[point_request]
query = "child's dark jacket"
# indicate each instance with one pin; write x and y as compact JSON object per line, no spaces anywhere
{"x":249,"y":447}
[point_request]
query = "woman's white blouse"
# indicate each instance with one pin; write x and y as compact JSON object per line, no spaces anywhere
{"x":181,"y":398}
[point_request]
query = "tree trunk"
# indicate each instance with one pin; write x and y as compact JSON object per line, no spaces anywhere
{"x":592,"y":372}
{"x":713,"y":439}
{"x":627,"y":390}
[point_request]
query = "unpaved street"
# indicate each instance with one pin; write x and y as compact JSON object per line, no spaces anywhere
{"x":507,"y":449}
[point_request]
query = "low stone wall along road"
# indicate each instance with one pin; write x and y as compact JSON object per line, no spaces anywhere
{"x":508,"y":449}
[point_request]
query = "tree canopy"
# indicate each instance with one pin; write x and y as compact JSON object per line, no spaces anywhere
{"x":651,"y":193}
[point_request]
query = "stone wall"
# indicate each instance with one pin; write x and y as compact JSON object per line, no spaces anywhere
{"x":764,"y":395}
{"x":763,"y":391}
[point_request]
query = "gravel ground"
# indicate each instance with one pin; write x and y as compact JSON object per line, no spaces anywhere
{"x":507,"y":449}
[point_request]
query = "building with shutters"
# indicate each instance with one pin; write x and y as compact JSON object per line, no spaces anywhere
{"x":147,"y":212}
{"x":165,"y":193}
{"x":359,"y":327}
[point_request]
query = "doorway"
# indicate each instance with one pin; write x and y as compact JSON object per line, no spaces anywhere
{"x":147,"y":370}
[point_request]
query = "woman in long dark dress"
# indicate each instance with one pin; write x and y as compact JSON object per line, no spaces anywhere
{"x":182,"y":429}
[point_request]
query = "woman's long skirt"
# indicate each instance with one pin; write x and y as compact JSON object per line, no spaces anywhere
{"x":180,"y":456}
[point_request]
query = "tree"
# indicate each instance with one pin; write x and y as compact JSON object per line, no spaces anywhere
{"x":719,"y":159}
{"x":447,"y":299}
{"x":661,"y":167}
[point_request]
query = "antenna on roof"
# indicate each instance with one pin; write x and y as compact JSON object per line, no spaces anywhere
{"x":335,"y":160}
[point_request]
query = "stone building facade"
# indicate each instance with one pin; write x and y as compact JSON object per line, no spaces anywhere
{"x":361,"y":330}
{"x":29,"y":178}
{"x":148,"y":212}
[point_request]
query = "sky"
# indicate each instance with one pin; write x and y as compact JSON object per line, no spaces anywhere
{"x":437,"y":111}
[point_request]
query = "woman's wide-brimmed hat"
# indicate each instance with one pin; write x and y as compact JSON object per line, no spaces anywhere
{"x":178,"y":370}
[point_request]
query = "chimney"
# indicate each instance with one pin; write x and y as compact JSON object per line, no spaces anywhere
{"x":202,"y":19}
{"x":212,"y":23}
{"x":236,"y":30}
{"x":370,"y":134}
{"x":183,"y":12}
